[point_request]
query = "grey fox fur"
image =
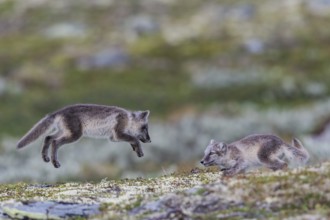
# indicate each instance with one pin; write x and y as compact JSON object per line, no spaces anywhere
{"x":70,"y":123}
{"x":253,"y":151}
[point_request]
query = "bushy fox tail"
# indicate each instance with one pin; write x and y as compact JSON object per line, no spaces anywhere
{"x":36,"y":131}
{"x":296,"y":152}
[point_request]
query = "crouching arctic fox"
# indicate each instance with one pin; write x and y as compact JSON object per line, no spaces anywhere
{"x":68,"y":124}
{"x":254,"y":151}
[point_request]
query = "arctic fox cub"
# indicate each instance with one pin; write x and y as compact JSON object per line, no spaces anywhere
{"x":68,"y":124}
{"x":253,"y":151}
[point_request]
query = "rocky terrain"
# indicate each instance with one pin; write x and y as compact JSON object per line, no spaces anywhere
{"x":301,"y":193}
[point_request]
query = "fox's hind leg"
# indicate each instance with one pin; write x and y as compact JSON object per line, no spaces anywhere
{"x":276,"y":164}
{"x":57,"y":143}
{"x":273,"y":162}
{"x":269,"y":155}
{"x":71,"y":132}
{"x":48,"y":140}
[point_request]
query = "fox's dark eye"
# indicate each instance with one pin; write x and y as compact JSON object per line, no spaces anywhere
{"x":144,"y":127}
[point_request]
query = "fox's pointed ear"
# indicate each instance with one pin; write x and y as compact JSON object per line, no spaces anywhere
{"x":296,"y":143}
{"x":221,"y":147}
{"x":224,"y":147}
{"x":145,"y":114}
{"x":212,"y":141}
{"x":142,"y":114}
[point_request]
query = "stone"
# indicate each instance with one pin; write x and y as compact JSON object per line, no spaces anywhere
{"x":49,"y":210}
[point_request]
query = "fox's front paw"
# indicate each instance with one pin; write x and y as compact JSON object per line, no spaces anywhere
{"x":139,"y":154}
{"x":228,"y":173}
{"x":45,"y":158}
{"x":56,"y":164}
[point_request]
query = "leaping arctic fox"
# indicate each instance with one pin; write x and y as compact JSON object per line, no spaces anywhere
{"x":70,"y":123}
{"x":254,"y":151}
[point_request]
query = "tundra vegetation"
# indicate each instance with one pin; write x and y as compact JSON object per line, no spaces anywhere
{"x":301,"y":193}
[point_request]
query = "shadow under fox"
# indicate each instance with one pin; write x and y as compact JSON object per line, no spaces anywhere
{"x":69,"y":124}
{"x":254,"y":151}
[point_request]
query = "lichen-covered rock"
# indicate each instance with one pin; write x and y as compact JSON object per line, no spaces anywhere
{"x":299,"y":193}
{"x":50,"y":210}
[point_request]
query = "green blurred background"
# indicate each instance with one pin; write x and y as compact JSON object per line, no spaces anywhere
{"x":266,"y":61}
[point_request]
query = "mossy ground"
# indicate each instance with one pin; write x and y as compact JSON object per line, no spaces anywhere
{"x":205,"y":194}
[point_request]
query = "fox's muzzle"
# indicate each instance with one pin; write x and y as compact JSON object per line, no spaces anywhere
{"x":145,"y":139}
{"x":208,"y":163}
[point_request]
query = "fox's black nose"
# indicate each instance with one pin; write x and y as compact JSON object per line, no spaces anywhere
{"x":148,"y":139}
{"x":202,"y":162}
